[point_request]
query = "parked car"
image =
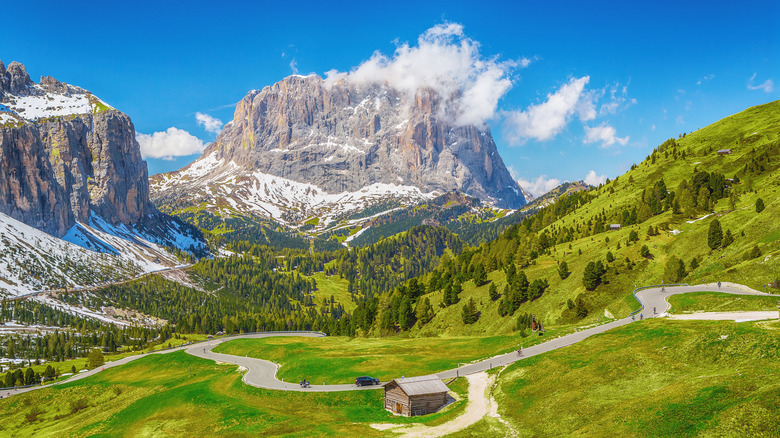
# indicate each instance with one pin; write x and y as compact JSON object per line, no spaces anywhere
{"x":365,"y":380}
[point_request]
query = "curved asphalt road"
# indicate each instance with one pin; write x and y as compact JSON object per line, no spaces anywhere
{"x":262,"y":373}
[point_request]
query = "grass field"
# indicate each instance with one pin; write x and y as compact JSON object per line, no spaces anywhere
{"x":335,"y":360}
{"x":655,"y":378}
{"x":65,"y":366}
{"x":716,"y":302}
{"x":328,"y":286}
{"x":180,"y":395}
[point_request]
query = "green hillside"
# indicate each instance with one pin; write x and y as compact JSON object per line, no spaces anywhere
{"x":664,"y":237}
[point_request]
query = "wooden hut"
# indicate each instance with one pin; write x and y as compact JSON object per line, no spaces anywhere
{"x":415,"y":395}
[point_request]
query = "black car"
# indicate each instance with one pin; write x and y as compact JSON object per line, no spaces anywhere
{"x":365,"y":380}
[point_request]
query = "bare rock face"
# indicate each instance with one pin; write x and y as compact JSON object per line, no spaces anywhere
{"x":18,"y":79}
{"x":54,"y":173}
{"x":68,"y":159}
{"x":340,"y":138}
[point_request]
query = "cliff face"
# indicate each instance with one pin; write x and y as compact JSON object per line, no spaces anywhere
{"x":53,"y":172}
{"x":305,"y":147}
{"x":64,"y":153}
{"x":341,"y":137}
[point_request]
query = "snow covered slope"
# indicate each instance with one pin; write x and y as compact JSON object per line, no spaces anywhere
{"x":22,"y":100}
{"x":227,"y":189}
{"x":89,"y":254}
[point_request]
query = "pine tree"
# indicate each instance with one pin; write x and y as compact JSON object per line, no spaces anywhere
{"x":715,"y":235}
{"x":759,"y":205}
{"x":728,"y":239}
{"x":470,"y":314}
{"x":591,"y":278}
{"x":563,"y":270}
{"x":493,"y":292}
{"x":480,"y":277}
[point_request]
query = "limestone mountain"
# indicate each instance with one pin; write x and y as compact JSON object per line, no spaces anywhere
{"x":307,"y":147}
{"x":70,"y":166}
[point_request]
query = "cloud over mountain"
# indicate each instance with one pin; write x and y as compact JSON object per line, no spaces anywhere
{"x":448,"y":62}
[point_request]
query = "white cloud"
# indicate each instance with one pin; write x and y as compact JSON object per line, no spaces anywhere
{"x":618,"y":100}
{"x":767,"y":86}
{"x":294,"y":66}
{"x":539,"y":186}
{"x":210,"y":124}
{"x":448,"y":62}
{"x":705,"y":79}
{"x":545,"y":120}
{"x":592,"y":179}
{"x":605,"y":134}
{"x":168,"y":144}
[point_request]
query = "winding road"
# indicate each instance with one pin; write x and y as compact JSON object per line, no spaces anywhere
{"x":262,"y":373}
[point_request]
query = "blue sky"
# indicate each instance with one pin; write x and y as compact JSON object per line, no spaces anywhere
{"x":605,"y":82}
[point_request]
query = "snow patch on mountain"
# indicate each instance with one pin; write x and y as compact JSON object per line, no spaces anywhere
{"x":227,"y":188}
{"x":89,"y":254}
{"x":40,"y":103}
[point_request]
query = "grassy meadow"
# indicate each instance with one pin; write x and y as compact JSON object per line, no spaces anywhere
{"x":334,"y":360}
{"x":654,"y":378}
{"x":718,"y":302}
{"x":180,"y":395}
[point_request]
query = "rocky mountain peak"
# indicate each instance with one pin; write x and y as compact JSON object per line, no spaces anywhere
{"x":18,"y":79}
{"x":336,"y":140}
{"x":52,"y":85}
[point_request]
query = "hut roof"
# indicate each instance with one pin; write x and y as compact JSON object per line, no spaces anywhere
{"x":421,"y":385}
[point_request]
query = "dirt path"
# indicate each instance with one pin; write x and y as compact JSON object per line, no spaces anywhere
{"x":479,"y":405}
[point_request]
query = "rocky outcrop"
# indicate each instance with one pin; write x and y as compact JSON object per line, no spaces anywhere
{"x":341,"y":137}
{"x":54,"y":173}
{"x":61,"y":164}
{"x":339,"y":140}
{"x":17,"y":78}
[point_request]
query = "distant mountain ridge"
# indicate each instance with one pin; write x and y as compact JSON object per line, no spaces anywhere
{"x":305,"y":147}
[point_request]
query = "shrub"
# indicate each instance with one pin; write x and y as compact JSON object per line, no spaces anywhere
{"x":759,"y":205}
{"x":32,"y":416}
{"x":78,"y":405}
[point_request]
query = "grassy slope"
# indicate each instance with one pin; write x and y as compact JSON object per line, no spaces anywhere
{"x":655,"y":378}
{"x":80,"y":363}
{"x":335,"y":286}
{"x":615,"y":297}
{"x":340,"y":359}
{"x":180,"y":395}
{"x":715,"y":302}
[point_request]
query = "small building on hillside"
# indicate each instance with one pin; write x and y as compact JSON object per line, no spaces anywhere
{"x":724,"y":152}
{"x":614,"y":227}
{"x":415,"y":395}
